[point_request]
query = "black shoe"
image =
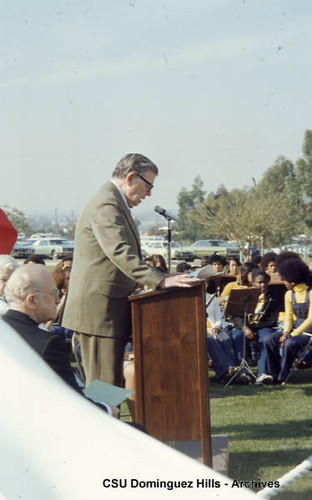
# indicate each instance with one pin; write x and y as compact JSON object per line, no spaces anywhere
{"x":278,"y":382}
{"x":243,"y":379}
{"x":229,"y":374}
{"x":302,"y":365}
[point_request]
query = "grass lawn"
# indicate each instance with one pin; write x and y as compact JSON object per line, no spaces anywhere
{"x":269,"y":429}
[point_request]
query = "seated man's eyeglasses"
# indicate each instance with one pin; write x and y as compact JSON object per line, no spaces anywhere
{"x":149,"y":184}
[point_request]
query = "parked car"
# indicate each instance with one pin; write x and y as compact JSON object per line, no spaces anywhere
{"x":22,"y":249}
{"x":208,"y":247}
{"x":161,"y":248}
{"x":53,"y":248}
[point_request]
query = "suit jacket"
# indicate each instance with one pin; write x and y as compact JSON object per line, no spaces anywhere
{"x":107,"y":267}
{"x":50,"y":347}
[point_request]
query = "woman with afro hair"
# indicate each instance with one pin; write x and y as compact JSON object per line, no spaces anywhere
{"x":298,"y":305}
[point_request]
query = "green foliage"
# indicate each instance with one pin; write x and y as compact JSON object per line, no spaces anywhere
{"x":247,"y":215}
{"x":268,"y":213}
{"x":275,"y":178}
{"x":19,"y":220}
{"x":303,"y":172}
{"x":187,"y":201}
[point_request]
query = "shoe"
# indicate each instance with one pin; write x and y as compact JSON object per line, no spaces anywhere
{"x":278,"y":382}
{"x":243,"y":379}
{"x":229,"y":374}
{"x":264,"y":379}
{"x":302,"y":365}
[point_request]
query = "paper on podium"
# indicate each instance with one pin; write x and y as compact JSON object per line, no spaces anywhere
{"x":101,"y":392}
{"x":204,"y":272}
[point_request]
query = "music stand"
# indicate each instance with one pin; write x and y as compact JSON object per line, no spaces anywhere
{"x":242,"y":302}
{"x":217,"y":282}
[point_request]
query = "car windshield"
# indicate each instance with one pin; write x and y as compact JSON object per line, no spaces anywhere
{"x":173,"y":244}
{"x":213,"y":243}
{"x":156,"y":245}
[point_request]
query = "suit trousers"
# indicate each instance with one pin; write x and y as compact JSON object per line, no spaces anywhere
{"x":102,"y":358}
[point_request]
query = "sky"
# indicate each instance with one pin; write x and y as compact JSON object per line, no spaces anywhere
{"x":216,"y":88}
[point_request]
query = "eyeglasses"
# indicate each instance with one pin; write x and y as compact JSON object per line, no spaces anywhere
{"x":149,"y":184}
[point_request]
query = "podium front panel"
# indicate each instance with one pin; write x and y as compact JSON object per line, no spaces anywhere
{"x":170,"y":350}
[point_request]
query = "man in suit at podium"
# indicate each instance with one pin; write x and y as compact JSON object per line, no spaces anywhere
{"x":108,"y":266}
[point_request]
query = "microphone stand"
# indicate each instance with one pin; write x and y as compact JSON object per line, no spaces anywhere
{"x":169,"y":217}
{"x":169,"y":239}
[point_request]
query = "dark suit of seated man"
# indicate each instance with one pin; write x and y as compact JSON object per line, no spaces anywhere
{"x":33,"y":298}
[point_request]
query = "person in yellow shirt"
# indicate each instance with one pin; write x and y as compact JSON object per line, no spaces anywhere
{"x":243,"y":280}
{"x":298,"y":305}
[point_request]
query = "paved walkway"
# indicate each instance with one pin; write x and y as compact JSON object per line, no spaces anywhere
{"x":220,"y":453}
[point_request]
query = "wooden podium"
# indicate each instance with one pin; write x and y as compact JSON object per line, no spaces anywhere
{"x":170,"y":352}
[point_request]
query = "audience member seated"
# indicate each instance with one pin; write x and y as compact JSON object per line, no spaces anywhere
{"x":34,"y":259}
{"x":234,"y":266}
{"x":148,"y":260}
{"x":159,"y":262}
{"x":268,"y":262}
{"x":204,"y":261}
{"x":220,"y":347}
{"x":217,"y":261}
{"x":286,"y":254}
{"x":280,"y":258}
{"x":257,"y":260}
{"x":7,"y":266}
{"x":298,"y":304}
{"x":61,"y":275}
{"x":183,"y":267}
{"x":243,"y":280}
{"x":33,"y":297}
{"x":261,"y":323}
{"x":237,"y":322}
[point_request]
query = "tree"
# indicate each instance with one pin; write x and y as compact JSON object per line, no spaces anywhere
{"x":246,"y":217}
{"x":271,"y":212}
{"x":19,"y":220}
{"x":303,"y":173}
{"x":187,"y":201}
{"x":280,"y":179}
{"x":275,"y":178}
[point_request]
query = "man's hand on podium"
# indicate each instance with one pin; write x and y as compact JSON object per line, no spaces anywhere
{"x":180,"y":280}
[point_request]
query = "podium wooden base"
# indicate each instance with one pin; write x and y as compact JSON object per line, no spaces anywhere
{"x":172,"y":394}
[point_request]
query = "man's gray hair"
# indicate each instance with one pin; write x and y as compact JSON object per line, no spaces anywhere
{"x":134,"y":162}
{"x":7,"y":263}
{"x":20,"y":284}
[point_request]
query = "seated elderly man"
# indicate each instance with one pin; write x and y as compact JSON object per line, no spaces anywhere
{"x":33,"y":297}
{"x":7,"y":266}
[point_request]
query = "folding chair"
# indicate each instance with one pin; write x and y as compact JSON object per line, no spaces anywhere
{"x":295,"y":364}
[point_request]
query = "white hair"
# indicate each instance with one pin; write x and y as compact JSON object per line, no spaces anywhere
{"x":22,"y":282}
{"x":8,"y":263}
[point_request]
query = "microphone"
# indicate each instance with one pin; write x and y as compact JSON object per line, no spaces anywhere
{"x":166,"y":213}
